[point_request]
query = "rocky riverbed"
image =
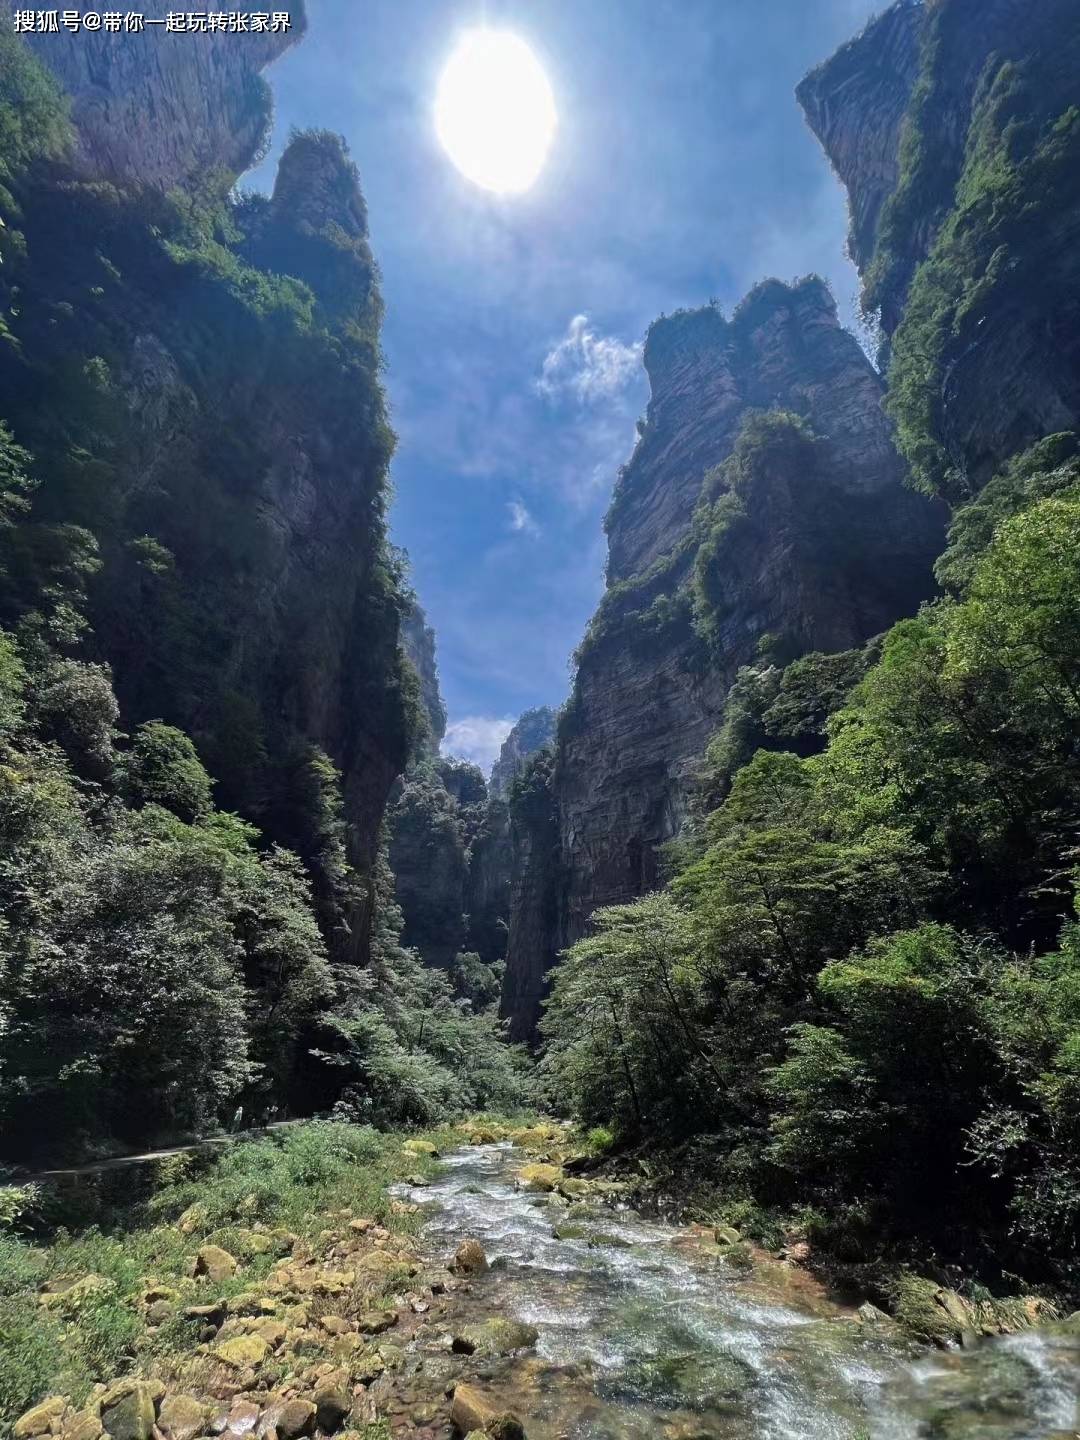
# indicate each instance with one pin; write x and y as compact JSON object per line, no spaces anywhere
{"x":535,"y":1302}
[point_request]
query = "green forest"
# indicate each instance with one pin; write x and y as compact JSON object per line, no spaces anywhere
{"x":175,"y":946}
{"x":857,"y":997}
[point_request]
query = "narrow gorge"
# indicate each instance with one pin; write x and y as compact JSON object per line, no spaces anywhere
{"x":400,"y":1036}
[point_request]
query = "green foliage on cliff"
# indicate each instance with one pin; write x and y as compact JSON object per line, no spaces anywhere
{"x":409,"y":1043}
{"x":769,"y":444}
{"x":863,"y":979}
{"x":996,"y":206}
{"x":155,"y":966}
{"x":201,"y":614}
{"x":197,"y":378}
{"x":33,"y":110}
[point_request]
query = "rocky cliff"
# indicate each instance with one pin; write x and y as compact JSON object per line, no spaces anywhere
{"x":534,"y":730}
{"x":451,"y":848}
{"x":494,"y":856}
{"x":197,"y":381}
{"x":165,"y":109}
{"x":955,"y":128}
{"x":764,"y":506}
{"x":418,"y":643}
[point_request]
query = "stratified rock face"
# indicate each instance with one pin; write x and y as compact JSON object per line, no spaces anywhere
{"x":534,"y":730}
{"x":782,"y":347}
{"x":494,"y":852}
{"x":487,"y":892}
{"x":160,"y":108}
{"x":855,"y":105}
{"x":534,"y":901}
{"x":830,"y":548}
{"x":418,"y":643}
{"x":924,"y":116}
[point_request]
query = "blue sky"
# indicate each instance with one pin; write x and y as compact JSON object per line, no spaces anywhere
{"x":681,"y":170}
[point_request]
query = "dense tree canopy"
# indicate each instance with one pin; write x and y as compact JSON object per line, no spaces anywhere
{"x":862,"y":980}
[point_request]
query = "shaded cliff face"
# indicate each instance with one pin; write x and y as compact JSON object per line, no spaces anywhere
{"x":452,"y":851}
{"x":804,"y":538}
{"x":534,"y":730}
{"x":495,"y":855}
{"x":954,"y":128}
{"x":418,"y":643}
{"x":165,"y":110}
{"x":534,"y":897}
{"x":223,"y":438}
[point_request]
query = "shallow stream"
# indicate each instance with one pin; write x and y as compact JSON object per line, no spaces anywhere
{"x":644,"y":1334}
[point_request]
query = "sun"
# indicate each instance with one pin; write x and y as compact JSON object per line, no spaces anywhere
{"x":494,"y":111}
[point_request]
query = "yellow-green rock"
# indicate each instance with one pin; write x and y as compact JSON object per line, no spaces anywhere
{"x":469,"y":1259}
{"x":497,"y":1336}
{"x":182,"y":1417}
{"x":242,"y":1351}
{"x":421,"y":1147}
{"x":39,"y":1420}
{"x":539,"y":1177}
{"x":216,"y":1263}
{"x":374,"y":1322}
{"x":131,"y":1417}
{"x":72,"y":1296}
{"x":85,"y":1426}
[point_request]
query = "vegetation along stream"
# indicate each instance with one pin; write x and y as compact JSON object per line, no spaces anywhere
{"x":643,"y":1332}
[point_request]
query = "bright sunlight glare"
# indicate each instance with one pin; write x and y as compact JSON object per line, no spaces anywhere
{"x":494,"y":111}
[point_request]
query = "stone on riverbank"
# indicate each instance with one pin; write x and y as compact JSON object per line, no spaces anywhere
{"x":539,"y":1178}
{"x":472,"y":1410}
{"x":496,"y":1336}
{"x":469,"y":1258}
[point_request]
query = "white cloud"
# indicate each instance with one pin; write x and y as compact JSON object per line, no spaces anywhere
{"x":587,"y":366}
{"x":521,"y":521}
{"x":477,"y":738}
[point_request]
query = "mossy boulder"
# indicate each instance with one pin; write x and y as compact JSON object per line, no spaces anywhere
{"x":367,"y":1366}
{"x":573,"y":1188}
{"x":333,"y":1404}
{"x":39,"y":1420}
{"x":254,"y":1242}
{"x":539,"y":1178}
{"x":570,"y":1231}
{"x":86,"y":1425}
{"x":215,"y":1263}
{"x":421,"y":1147}
{"x":738,"y":1255}
{"x":131,"y":1413}
{"x":928,"y":1311}
{"x":375,"y":1322}
{"x":70,"y":1293}
{"x":194,"y":1218}
{"x":497,"y":1336}
{"x":469,"y":1258}
{"x":242,"y":1352}
{"x":290,"y":1418}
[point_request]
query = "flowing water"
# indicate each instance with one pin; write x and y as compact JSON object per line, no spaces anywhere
{"x":644,"y":1334}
